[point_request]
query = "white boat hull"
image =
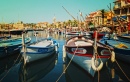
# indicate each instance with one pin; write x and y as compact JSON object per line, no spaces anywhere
{"x":85,"y":62}
{"x":39,"y":50}
{"x":33,"y":57}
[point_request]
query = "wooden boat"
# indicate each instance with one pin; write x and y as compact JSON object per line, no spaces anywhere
{"x":73,"y":33}
{"x":35,"y":71}
{"x":4,"y":37}
{"x":38,"y":50}
{"x":76,"y":33}
{"x":99,"y":36}
{"x":11,"y":46}
{"x":72,"y":75}
{"x":124,"y":38}
{"x":86,"y":55}
{"x":121,"y":47}
{"x":12,"y":31}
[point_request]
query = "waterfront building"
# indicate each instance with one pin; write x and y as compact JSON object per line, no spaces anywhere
{"x":97,"y":19}
{"x":121,"y":12}
{"x":18,"y":25}
{"x":42,"y":24}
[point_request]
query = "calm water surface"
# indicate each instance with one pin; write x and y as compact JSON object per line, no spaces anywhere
{"x":51,"y":68}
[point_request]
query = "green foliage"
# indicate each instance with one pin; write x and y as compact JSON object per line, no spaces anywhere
{"x":90,"y":23}
{"x":103,"y":11}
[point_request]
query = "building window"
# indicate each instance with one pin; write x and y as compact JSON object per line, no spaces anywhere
{"x":119,"y":5}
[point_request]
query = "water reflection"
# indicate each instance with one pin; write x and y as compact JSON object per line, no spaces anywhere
{"x":42,"y":70}
{"x":120,"y":71}
{"x":35,"y":71}
{"x":7,"y":68}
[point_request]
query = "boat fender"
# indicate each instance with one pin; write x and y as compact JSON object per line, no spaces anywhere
{"x":56,"y":48}
{"x":113,"y":56}
{"x":58,"y":45}
{"x":99,"y":66}
{"x":64,"y":54}
{"x":64,"y":51}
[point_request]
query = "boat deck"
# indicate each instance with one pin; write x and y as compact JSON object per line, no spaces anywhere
{"x":117,"y":42}
{"x":42,"y":44}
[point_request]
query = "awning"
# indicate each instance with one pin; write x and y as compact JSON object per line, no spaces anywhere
{"x":119,"y":18}
{"x":123,"y":17}
{"x":114,"y":19}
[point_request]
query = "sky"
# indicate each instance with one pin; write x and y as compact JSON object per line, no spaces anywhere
{"x":34,"y":11}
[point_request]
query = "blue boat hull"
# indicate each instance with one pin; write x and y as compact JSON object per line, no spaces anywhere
{"x":6,"y":51}
{"x":121,"y":53}
{"x":10,"y":47}
{"x":39,"y":50}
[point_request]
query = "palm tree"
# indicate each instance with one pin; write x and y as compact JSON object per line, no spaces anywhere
{"x":75,"y":23}
{"x":103,"y":13}
{"x":59,"y":24}
{"x":64,"y":24}
{"x":69,"y":22}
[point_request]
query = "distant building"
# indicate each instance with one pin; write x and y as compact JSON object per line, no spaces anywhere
{"x":18,"y":25}
{"x":42,"y":24}
{"x":97,"y":20}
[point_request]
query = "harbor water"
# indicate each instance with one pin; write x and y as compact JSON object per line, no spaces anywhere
{"x":53,"y":69}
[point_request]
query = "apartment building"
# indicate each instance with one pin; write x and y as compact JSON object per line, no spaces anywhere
{"x":121,"y":11}
{"x":97,"y":19}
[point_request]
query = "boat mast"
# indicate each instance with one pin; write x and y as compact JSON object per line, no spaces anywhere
{"x":69,"y":13}
{"x":117,"y":17}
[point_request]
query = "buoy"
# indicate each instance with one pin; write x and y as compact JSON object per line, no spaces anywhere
{"x":99,"y":66}
{"x":58,"y":45}
{"x":56,"y":48}
{"x":113,"y":56}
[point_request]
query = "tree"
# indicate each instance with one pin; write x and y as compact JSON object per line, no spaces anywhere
{"x":90,"y":23}
{"x":103,"y":13}
{"x":69,"y":22}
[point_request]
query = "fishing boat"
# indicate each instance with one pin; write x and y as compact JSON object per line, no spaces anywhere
{"x":88,"y":54}
{"x":125,"y":38}
{"x":11,"y":46}
{"x":39,"y":49}
{"x":4,"y":37}
{"x":121,"y":46}
{"x":100,"y":34}
{"x":72,"y":75}
{"x":76,"y":33}
{"x":35,"y":71}
{"x":73,"y":33}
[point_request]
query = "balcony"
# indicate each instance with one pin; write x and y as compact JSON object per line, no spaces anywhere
{"x":116,"y":7}
{"x":123,"y":3}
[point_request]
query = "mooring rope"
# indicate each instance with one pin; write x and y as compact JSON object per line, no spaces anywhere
{"x":67,"y":65}
{"x":122,"y":71}
{"x":114,"y":60}
{"x":98,"y":70}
